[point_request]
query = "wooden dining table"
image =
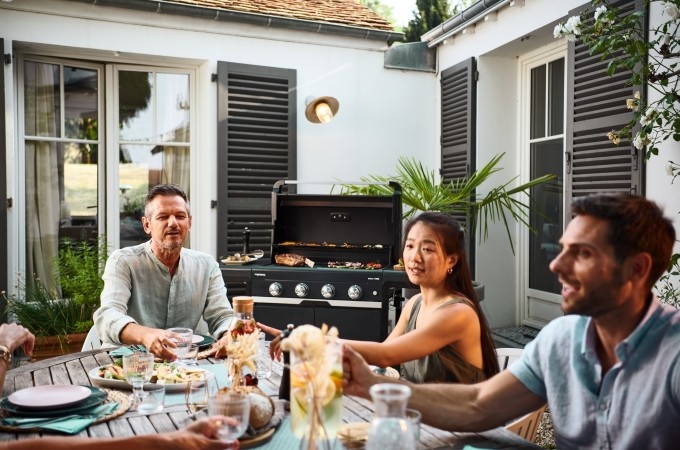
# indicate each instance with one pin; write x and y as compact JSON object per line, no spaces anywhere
{"x":73,"y":369}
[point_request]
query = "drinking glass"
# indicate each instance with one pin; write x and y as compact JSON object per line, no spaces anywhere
{"x":264,"y":361}
{"x":182,"y":338}
{"x":199,"y":391}
{"x":235,"y":408}
{"x":189,"y":358}
{"x":137,"y":368}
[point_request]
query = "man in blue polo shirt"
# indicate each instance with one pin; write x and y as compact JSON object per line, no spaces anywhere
{"x":609,"y":369}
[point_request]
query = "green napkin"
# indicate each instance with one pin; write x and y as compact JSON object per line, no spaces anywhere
{"x":127,"y":350}
{"x":72,"y":424}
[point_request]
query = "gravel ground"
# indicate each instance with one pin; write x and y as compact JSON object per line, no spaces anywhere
{"x":544,"y":434}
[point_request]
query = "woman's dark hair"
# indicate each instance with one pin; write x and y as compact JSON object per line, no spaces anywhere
{"x":452,"y":239}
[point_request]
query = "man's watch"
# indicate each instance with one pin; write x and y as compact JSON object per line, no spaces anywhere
{"x":5,"y":354}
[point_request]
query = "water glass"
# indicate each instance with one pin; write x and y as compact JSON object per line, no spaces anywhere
{"x":190,"y":356}
{"x":152,"y":400}
{"x":182,"y":338}
{"x":264,"y":361}
{"x":137,"y":369}
{"x":199,"y":391}
{"x":235,"y":408}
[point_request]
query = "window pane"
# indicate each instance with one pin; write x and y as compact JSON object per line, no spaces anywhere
{"x":142,"y":167}
{"x":546,"y":158}
{"x":537,"y":103}
{"x":172,"y":92}
{"x":556,"y":97}
{"x":135,"y":110}
{"x":80,"y":103}
{"x":42,"y":101}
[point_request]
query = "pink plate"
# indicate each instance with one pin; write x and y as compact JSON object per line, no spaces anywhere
{"x":49,"y":397}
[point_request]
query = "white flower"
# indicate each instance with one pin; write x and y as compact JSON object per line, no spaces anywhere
{"x":671,"y":10}
{"x":669,"y":170}
{"x":667,"y":39}
{"x":557,"y":32}
{"x":598,"y":13}
{"x":640,"y":140}
{"x":573,"y":25}
{"x":649,"y":116}
{"x":637,"y":95}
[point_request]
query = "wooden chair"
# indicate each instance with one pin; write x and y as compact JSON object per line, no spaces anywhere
{"x":92,"y":341}
{"x":526,"y":426}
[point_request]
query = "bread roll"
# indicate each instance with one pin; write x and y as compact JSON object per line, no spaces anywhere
{"x":261,"y":410}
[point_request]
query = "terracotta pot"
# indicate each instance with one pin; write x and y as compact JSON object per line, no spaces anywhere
{"x":49,"y":346}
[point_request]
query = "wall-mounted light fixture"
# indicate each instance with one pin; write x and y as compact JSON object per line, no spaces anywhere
{"x":321,"y":109}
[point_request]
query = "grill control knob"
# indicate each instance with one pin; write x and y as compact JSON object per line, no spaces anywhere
{"x":275,"y":289}
{"x":301,"y":290}
{"x":328,"y":291}
{"x":354,"y":292}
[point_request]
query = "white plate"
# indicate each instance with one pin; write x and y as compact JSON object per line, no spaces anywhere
{"x":390,"y":372}
{"x":226,"y":262}
{"x":197,"y":339}
{"x":120,"y":384}
{"x":50,"y":396}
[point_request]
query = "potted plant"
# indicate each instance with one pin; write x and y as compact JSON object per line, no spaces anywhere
{"x":422,"y":190}
{"x":61,"y":315}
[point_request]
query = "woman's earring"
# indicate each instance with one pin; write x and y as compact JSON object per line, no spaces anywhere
{"x":450,"y":270}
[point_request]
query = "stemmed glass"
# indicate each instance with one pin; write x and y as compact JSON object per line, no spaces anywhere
{"x":235,"y":408}
{"x":137,"y":368}
{"x":199,"y":391}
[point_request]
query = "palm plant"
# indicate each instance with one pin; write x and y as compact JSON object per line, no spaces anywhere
{"x":423,"y":190}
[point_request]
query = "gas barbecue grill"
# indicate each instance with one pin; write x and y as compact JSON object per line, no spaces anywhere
{"x":360,"y":230}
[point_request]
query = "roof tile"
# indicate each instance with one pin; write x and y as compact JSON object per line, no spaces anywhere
{"x":339,"y":12}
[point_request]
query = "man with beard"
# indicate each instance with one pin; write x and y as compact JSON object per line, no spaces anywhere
{"x":609,"y":369}
{"x":159,"y":284}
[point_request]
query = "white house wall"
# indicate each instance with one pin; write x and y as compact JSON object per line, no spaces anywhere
{"x":497,"y":125}
{"x":497,"y":43}
{"x":658,"y":185}
{"x":383,"y":113}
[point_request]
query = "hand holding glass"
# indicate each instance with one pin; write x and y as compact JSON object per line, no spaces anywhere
{"x":137,"y":368}
{"x":182,"y":338}
{"x":235,"y":408}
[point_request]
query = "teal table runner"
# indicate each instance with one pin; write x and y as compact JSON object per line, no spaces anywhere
{"x":220,"y":371}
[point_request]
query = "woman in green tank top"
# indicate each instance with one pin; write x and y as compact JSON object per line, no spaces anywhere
{"x":442,"y":334}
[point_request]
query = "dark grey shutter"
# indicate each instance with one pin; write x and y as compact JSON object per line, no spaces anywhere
{"x":459,"y":96}
{"x":256,"y":146}
{"x":596,"y":104}
{"x":3,"y":190}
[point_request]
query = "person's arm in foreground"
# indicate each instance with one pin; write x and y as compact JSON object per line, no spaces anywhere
{"x":198,"y":436}
{"x":451,"y":406}
{"x":14,"y":336}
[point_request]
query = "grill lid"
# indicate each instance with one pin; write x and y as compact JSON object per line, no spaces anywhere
{"x":332,"y":228}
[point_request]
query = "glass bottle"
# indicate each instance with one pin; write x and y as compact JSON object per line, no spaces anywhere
{"x":390,"y":427}
{"x":242,"y":343}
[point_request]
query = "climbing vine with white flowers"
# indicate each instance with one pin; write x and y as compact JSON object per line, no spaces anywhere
{"x":653,"y":60}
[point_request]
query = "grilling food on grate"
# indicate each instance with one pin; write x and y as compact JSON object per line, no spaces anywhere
{"x":354,"y":265}
{"x":289,"y":259}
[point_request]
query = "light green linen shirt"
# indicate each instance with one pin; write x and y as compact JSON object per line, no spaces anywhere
{"x":138,"y":288}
